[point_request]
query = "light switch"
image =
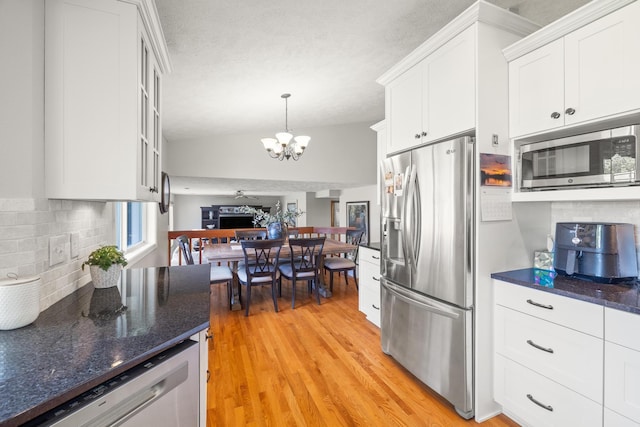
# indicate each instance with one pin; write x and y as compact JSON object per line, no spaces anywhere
{"x":58,"y":249}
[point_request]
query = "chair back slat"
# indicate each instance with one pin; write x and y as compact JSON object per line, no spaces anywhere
{"x":261,"y":257}
{"x":311,"y":251}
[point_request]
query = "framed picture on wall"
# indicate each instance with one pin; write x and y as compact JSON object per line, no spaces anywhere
{"x":358,"y":217}
{"x":292,"y":207}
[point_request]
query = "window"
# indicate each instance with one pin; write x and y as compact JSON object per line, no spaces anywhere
{"x":135,"y":228}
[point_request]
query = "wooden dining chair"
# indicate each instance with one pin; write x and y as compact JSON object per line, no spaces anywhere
{"x":304,"y":265}
{"x":217,"y":273}
{"x":348,"y":262}
{"x":261,"y":259}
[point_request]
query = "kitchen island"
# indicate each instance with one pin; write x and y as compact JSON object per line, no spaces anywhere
{"x":93,"y":335}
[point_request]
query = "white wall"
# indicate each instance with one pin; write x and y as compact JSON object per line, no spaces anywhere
{"x":330,"y":157}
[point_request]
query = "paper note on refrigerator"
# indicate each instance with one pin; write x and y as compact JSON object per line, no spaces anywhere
{"x":495,"y":204}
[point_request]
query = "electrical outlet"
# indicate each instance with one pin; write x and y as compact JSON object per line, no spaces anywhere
{"x":494,"y":140}
{"x":58,"y":249}
{"x":75,"y":245}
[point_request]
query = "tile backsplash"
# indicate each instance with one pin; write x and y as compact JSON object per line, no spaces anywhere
{"x":27,"y":227}
{"x":605,"y":211}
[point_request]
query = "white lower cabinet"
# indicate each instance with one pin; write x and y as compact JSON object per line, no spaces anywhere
{"x":535,"y":400}
{"x":622,"y":368}
{"x":549,"y":357}
{"x":369,"y":284}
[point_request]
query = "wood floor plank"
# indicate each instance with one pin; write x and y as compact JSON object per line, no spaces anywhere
{"x":315,"y":365}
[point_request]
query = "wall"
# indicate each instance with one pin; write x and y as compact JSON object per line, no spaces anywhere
{"x":331,"y":153}
{"x":27,"y":219}
{"x":362,"y":194}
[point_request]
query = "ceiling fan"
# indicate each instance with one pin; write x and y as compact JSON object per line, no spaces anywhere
{"x":240,"y":195}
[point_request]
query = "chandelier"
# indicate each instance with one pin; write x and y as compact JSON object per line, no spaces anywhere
{"x":285,"y":145}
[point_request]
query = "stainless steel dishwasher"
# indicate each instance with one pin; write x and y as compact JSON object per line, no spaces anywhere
{"x":162,"y":391}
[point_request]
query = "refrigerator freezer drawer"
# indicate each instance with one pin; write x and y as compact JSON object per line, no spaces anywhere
{"x":432,"y":340}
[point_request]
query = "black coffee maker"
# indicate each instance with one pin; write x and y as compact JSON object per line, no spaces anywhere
{"x":604,"y":252}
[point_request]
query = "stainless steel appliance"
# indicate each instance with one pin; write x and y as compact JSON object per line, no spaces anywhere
{"x":162,"y":391}
{"x":604,"y":158}
{"x":603,"y":252}
{"x":427,"y":256}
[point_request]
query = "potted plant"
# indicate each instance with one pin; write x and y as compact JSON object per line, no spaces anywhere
{"x":105,"y":265}
{"x":275,"y":223}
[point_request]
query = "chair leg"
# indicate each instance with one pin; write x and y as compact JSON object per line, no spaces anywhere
{"x":293,"y":293}
{"x":346,"y":277}
{"x":331,"y":281}
{"x":315,"y":283}
{"x":355,"y":279}
{"x":274,"y":296}
{"x":229,"y":292}
{"x":246,"y":312}
{"x":280,"y":286}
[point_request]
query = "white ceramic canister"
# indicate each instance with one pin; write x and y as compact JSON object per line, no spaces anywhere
{"x":19,"y":301}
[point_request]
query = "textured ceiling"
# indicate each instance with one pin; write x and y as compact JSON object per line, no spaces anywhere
{"x":233,"y":59}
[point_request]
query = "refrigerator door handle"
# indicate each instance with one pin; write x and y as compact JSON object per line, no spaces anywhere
{"x":420,"y":301}
{"x":409,"y":226}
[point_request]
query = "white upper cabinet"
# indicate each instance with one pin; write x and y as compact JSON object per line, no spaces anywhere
{"x":536,"y":90}
{"x":434,"y":92}
{"x":434,"y":98}
{"x":104,"y":61}
{"x":560,"y":78}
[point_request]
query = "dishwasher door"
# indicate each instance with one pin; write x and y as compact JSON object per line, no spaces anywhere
{"x":160,"y":392}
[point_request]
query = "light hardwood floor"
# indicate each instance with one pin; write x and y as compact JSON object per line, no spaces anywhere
{"x":317,"y":365}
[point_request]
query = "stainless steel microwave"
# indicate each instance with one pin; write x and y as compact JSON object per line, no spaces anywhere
{"x":603,"y":158}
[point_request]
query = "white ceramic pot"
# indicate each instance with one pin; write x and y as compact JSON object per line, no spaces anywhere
{"x":19,"y":301}
{"x":105,"y":279}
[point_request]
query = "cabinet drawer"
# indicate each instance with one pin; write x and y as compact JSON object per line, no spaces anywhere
{"x":516,"y":388}
{"x":621,"y":328}
{"x":622,"y":381}
{"x":369,"y":276}
{"x":570,"y":358}
{"x":369,"y":255}
{"x":575,"y":314}
{"x":369,"y":304}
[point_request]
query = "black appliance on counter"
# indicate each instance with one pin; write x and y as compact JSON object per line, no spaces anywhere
{"x":604,"y":252}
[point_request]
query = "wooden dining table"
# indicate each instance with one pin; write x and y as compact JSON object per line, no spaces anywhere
{"x":232,"y":253}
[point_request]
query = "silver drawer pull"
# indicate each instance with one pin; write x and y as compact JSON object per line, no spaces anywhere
{"x":537,"y":304}
{"x":375,"y":278}
{"x":374,"y":306}
{"x":375,"y":257}
{"x":539,"y":347}
{"x":540,"y":404}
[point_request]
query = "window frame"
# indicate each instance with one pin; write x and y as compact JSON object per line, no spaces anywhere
{"x":148,"y":242}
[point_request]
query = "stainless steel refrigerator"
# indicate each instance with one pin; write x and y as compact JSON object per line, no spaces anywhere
{"x":427,"y":265}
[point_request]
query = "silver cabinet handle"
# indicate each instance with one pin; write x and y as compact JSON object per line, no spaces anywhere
{"x":570,"y":111}
{"x":539,"y":347}
{"x":537,"y":304}
{"x":416,"y":136}
{"x":374,"y":306}
{"x":424,"y":133}
{"x":540,"y":404}
{"x":375,"y":257}
{"x":375,"y":278}
{"x":555,"y":115}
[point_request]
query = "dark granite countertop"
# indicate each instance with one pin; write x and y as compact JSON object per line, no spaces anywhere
{"x":93,"y":335}
{"x":621,"y":296}
{"x":372,"y":245}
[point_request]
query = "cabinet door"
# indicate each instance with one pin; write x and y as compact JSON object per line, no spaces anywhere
{"x":149,"y":133}
{"x":449,"y":88}
{"x":602,"y":75}
{"x":622,"y":380}
{"x":536,"y":90}
{"x":404,"y":110}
